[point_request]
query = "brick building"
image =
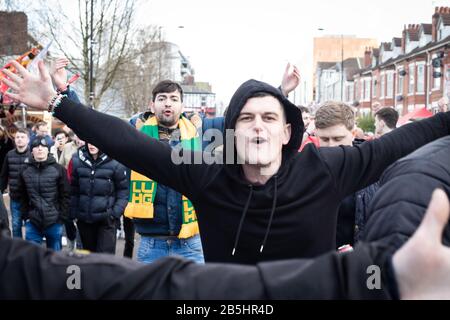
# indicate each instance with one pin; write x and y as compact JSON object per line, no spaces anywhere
{"x":335,"y":48}
{"x":410,"y":72}
{"x":13,"y":33}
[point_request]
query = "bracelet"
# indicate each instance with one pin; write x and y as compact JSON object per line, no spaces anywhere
{"x":63,"y":89}
{"x":55,"y":102}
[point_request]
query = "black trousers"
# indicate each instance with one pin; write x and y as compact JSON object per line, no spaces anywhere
{"x":128,"y":228}
{"x":98,"y":236}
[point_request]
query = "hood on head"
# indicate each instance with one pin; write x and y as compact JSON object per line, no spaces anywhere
{"x":85,"y":156}
{"x":293,"y":114}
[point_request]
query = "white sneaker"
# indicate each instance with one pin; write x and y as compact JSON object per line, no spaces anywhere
{"x":64,"y":241}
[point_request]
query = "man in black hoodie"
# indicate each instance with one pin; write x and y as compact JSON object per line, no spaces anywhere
{"x":279,"y":203}
{"x":44,"y":196}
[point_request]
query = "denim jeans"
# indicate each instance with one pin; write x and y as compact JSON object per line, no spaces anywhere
{"x":52,"y":234}
{"x":16,"y":217}
{"x":151,"y":249}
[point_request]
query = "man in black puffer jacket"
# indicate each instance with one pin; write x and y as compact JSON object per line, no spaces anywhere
{"x":98,"y":198}
{"x":13,"y":165}
{"x":44,"y":196}
{"x":394,"y":219}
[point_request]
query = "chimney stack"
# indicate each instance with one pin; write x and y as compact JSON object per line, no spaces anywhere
{"x":404,"y":39}
{"x":367,"y":57}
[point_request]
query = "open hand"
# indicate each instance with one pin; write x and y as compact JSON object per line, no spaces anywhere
{"x":291,"y":79}
{"x":33,"y":90}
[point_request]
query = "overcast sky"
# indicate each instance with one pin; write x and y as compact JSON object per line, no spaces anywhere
{"x":231,"y":41}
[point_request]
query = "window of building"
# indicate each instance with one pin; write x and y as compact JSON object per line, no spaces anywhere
{"x":367,"y":89}
{"x":390,"y":84}
{"x":382,"y":85}
{"x":411,"y":79}
{"x":351,"y":92}
{"x":421,"y":78}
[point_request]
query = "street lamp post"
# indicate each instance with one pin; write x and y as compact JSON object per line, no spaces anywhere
{"x":160,"y":49}
{"x":342,"y":63}
{"x":342,"y":67}
{"x":91,"y":59}
{"x":159,"y":53}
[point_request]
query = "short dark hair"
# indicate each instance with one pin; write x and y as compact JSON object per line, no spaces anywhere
{"x":59,"y":131}
{"x":166,"y":86}
{"x":389,"y":116}
{"x":24,"y":131}
{"x":304,"y":109}
{"x":262,"y":94}
{"x":40,"y":124}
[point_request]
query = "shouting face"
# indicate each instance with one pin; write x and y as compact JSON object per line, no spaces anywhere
{"x":261,"y":132}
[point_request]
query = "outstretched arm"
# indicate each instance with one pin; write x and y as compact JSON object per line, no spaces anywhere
{"x":332,"y":276}
{"x":420,"y":270}
{"x":354,"y":168}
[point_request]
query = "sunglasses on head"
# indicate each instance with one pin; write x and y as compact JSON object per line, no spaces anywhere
{"x":40,"y":142}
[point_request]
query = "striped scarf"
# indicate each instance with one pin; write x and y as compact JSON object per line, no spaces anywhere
{"x":143,"y":190}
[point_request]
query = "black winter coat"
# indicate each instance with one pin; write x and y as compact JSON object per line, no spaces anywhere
{"x":5,"y":146}
{"x":44,"y":192}
{"x":99,"y":188}
{"x":406,"y":187}
{"x":13,"y":165}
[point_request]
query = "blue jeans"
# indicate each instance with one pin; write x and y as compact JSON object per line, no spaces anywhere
{"x":151,"y":249}
{"x":52,"y":234}
{"x":16,"y":216}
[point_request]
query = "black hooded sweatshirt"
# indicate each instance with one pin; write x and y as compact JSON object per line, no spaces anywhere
{"x":293,"y":215}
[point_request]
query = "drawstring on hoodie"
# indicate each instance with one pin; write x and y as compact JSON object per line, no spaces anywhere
{"x":271,"y":215}
{"x":244,"y":213}
{"x":238,"y":235}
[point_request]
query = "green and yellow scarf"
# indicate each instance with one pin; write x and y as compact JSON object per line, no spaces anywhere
{"x":143,"y":189}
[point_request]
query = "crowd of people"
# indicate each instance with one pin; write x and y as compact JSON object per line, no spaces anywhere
{"x":289,"y":184}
